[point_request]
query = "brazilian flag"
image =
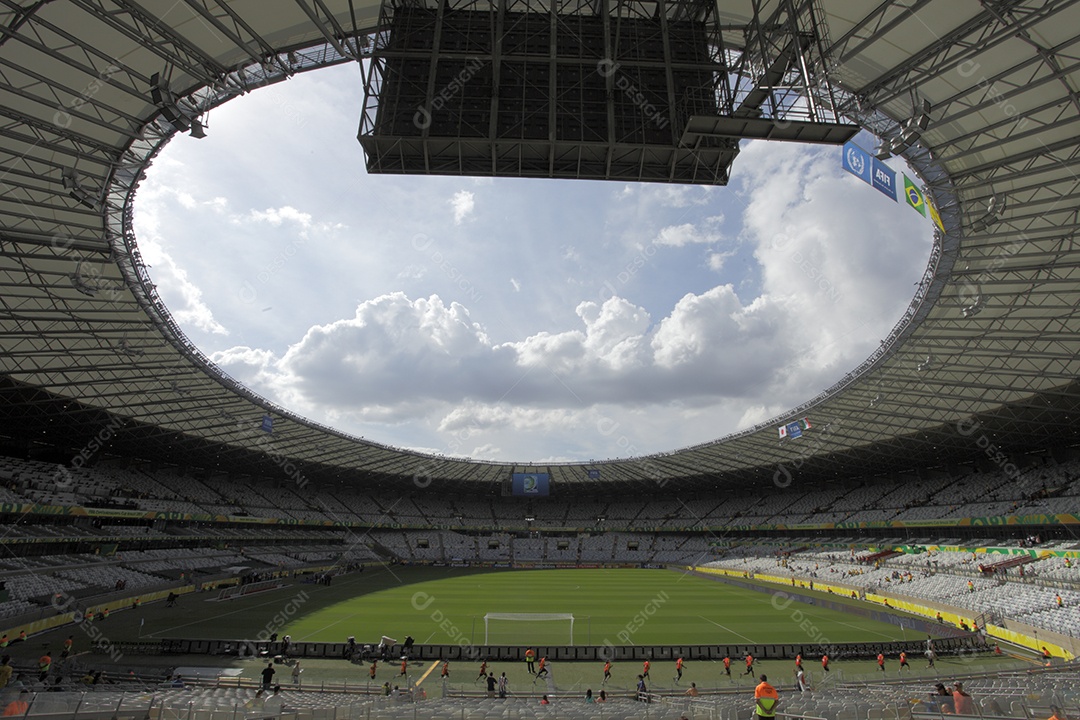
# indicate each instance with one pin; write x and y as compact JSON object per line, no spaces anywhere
{"x":914,"y":196}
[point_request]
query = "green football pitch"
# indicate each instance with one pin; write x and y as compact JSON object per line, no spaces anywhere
{"x":447,"y":606}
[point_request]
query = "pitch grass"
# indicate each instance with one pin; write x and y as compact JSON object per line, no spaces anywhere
{"x":380,"y":601}
{"x":623,"y":607}
{"x":447,"y":605}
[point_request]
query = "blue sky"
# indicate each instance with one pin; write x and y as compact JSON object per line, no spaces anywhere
{"x":516,"y":319}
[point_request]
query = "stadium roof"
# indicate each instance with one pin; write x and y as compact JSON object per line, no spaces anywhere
{"x":89,"y":354}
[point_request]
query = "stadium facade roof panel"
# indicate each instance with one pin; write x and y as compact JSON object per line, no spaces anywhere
{"x":88,"y":350}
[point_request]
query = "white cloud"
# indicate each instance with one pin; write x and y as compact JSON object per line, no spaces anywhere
{"x":463,"y":204}
{"x":685,"y":234}
{"x":412,"y":272}
{"x":183,"y":297}
{"x":587,"y":352}
{"x":277,"y":216}
{"x":714,"y":355}
{"x":716,"y":260}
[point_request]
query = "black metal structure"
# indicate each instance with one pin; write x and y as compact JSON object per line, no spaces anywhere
{"x":642,"y":90}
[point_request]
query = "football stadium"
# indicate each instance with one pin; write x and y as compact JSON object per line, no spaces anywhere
{"x":904,"y":544}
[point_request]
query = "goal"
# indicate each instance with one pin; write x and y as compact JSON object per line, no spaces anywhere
{"x":502,"y":628}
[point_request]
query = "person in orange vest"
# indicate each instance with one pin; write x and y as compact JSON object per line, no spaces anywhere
{"x":105,"y":614}
{"x":798,"y":662}
{"x":371,"y":670}
{"x":825,"y":662}
{"x":765,"y":699}
{"x":749,"y":664}
{"x":404,"y":667}
{"x":136,"y":603}
{"x":1046,"y":655}
{"x":881,"y":662}
{"x":607,"y":672}
{"x":4,"y":641}
{"x":997,"y":649}
{"x":678,"y":669}
{"x":483,"y":670}
{"x":530,"y":661}
{"x":645,"y":669}
{"x":67,"y":646}
{"x":1057,"y":598}
{"x":445,"y":669}
{"x":939,"y":618}
{"x":1055,"y":713}
{"x":727,"y":665}
{"x":542,"y":668}
{"x":44,"y":663}
{"x":89,"y":616}
{"x":22,"y":636}
{"x":18,"y":706}
{"x":903,"y":662}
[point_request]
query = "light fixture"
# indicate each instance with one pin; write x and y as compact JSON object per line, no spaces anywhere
{"x":910,"y":132}
{"x":170,"y":108}
{"x":73,"y":184}
{"x":974,"y":308}
{"x":994,"y":208}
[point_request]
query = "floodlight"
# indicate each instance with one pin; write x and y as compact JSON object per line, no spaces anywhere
{"x":170,"y":107}
{"x":994,"y":208}
{"x":910,"y":132}
{"x":73,"y":184}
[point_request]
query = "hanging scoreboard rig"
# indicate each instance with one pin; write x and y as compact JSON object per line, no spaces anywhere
{"x":649,"y":91}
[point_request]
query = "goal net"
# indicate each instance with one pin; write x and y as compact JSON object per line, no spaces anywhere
{"x":529,"y":628}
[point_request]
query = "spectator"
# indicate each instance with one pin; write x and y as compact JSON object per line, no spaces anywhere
{"x":5,"y":671}
{"x":588,"y":695}
{"x":296,"y":670}
{"x":962,"y":702}
{"x":942,"y":699}
{"x":256,"y":703}
{"x":603,"y":697}
{"x":273,"y":703}
{"x":693,"y":691}
{"x":544,"y":700}
{"x":502,"y":685}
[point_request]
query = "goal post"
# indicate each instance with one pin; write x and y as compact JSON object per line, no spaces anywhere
{"x":500,"y":618}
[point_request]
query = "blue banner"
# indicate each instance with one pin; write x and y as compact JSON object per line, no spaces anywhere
{"x":884,"y":179}
{"x":857,"y":162}
{"x":529,"y":483}
{"x":267,"y":424}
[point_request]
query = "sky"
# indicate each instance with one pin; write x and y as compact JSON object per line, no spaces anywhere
{"x":516,"y":319}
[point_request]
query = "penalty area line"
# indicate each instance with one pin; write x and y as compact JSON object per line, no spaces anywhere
{"x":725,"y":627}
